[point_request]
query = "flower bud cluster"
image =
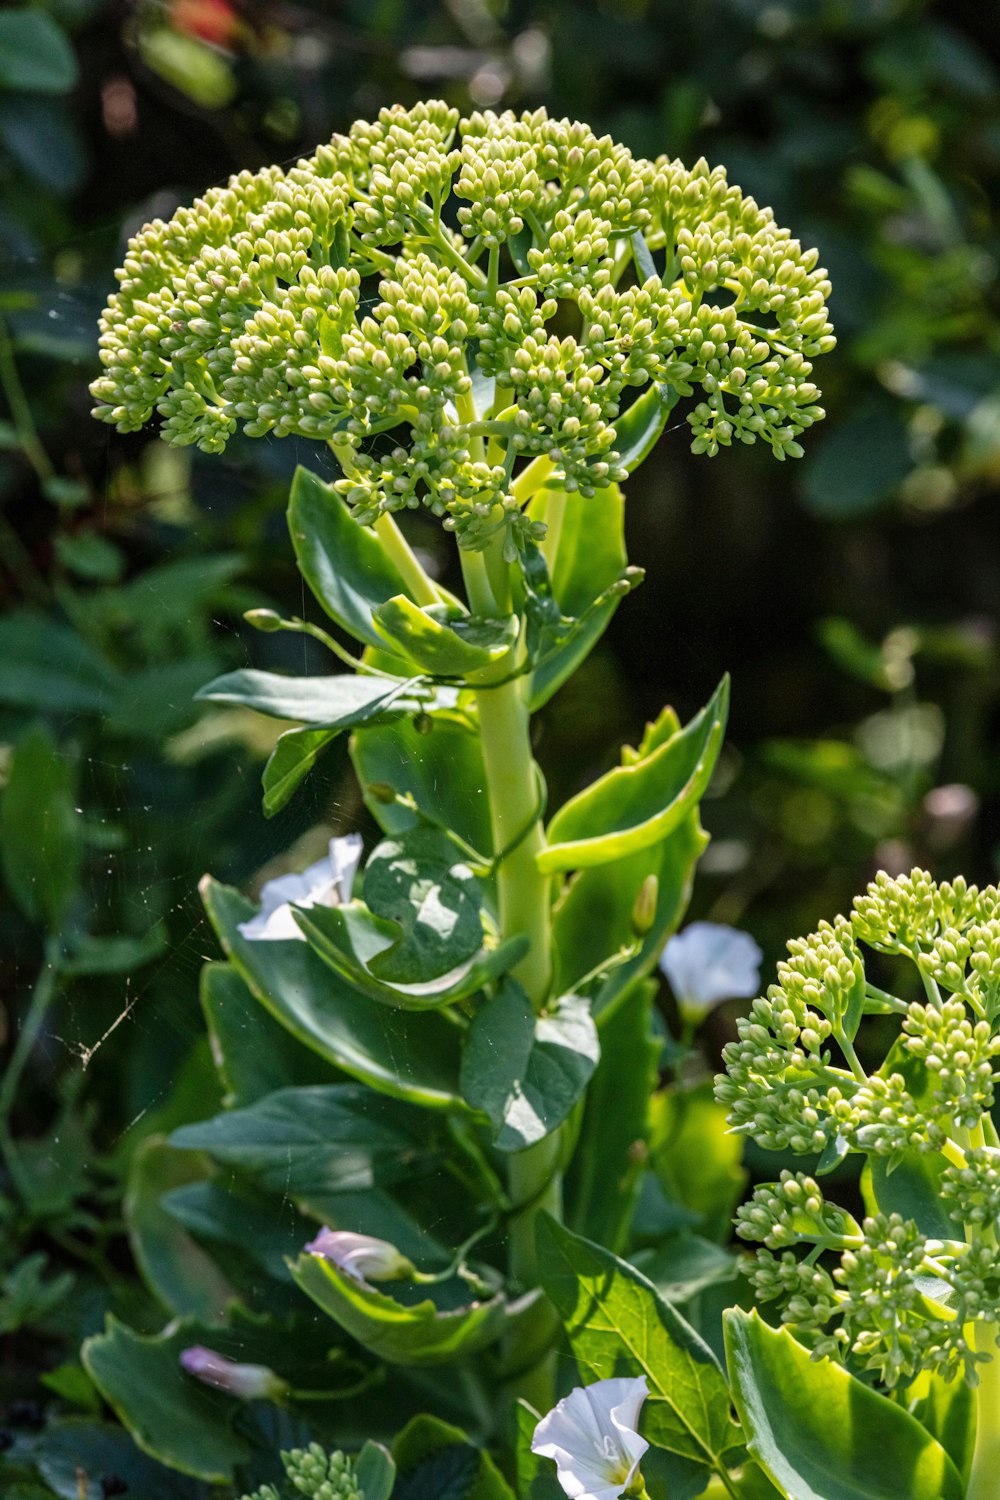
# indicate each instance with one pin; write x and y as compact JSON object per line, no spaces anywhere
{"x":880,"y":1295}
{"x":343,"y":300}
{"x":315,"y":1474}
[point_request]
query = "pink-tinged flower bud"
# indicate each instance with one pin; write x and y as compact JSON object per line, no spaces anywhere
{"x":361,"y":1255}
{"x":247,"y":1382}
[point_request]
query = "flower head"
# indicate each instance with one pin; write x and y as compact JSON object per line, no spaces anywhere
{"x":592,"y":1436}
{"x":350,"y":296}
{"x":361,"y":1255}
{"x":326,"y":883}
{"x":248,"y":1382}
{"x":709,"y":962}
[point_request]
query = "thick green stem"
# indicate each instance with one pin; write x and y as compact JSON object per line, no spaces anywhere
{"x":513,"y":784}
{"x":984,"y":1480}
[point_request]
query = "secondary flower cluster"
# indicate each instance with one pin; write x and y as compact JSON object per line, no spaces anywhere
{"x":896,"y":1293}
{"x":316,"y":1475}
{"x":346,"y":300}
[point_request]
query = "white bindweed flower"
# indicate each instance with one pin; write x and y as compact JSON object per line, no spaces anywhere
{"x":361,"y":1255}
{"x":326,"y":883}
{"x":592,"y":1436}
{"x":707,"y":963}
{"x":248,"y":1382}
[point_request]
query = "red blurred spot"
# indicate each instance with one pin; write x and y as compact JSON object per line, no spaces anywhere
{"x":214,"y":21}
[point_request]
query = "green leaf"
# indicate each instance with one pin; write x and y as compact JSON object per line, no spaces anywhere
{"x":695,"y":1157}
{"x":350,"y":938}
{"x":636,"y":806}
{"x":41,"y":844}
{"x":178,"y":1271}
{"x":186,"y":1424}
{"x":639,"y":428}
{"x":948,"y":1411}
{"x":116,"y":953}
{"x":49,"y":667}
{"x":685,"y":1264}
{"x":818,"y":1432}
{"x":524,"y":1071}
{"x":418,"y":881}
{"x":97,"y":1449}
{"x":582,"y":945}
{"x":305,"y":1141}
{"x":618,"y":1323}
{"x":335,"y":702}
{"x":602,"y":1184}
{"x":418,"y":1334}
{"x":912,"y":1188}
{"x":171,"y":1416}
{"x":375,"y":1471}
{"x":290,"y":762}
{"x":441,"y":639}
{"x":253,"y":1054}
{"x":437,"y":1462}
{"x":585,"y":553}
{"x":35,"y":56}
{"x":536,"y":1477}
{"x":72,"y":1384}
{"x":439,"y":765}
{"x":343,"y":563}
{"x":415,"y":1058}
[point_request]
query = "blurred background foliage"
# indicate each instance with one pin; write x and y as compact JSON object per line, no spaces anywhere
{"x":853,"y":595}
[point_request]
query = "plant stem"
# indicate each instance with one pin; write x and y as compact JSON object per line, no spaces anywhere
{"x":513,"y":784}
{"x":401,"y":553}
{"x":986,"y":1458}
{"x":20,"y":410}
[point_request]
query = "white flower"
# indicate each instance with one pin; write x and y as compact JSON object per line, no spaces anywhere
{"x":248,"y":1382}
{"x":592,"y":1436}
{"x":708,"y":962}
{"x":326,"y":883}
{"x":361,"y":1255}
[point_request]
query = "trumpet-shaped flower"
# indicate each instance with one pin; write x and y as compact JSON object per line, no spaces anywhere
{"x":361,"y":1255}
{"x":248,"y":1382}
{"x":709,"y":962}
{"x":592,"y":1436}
{"x":326,"y":883}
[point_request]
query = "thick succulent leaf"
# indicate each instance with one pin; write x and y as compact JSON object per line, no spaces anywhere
{"x":343,"y":563}
{"x":911,"y":1187}
{"x":253,"y":1054}
{"x":638,"y":429}
{"x":176,"y":1269}
{"x":618,"y":1324}
{"x":585,"y":553}
{"x":418,"y":1334}
{"x":290,"y":762}
{"x":441,"y":640}
{"x":948,"y":1411}
{"x":308,"y":1141}
{"x":375,"y":1471}
{"x":336,"y":702}
{"x":819,"y":1433}
{"x":439,"y":765}
{"x":419,"y":881}
{"x":636,"y":806}
{"x":527,"y":1071}
{"x":185,"y":1423}
{"x":412,"y":1058}
{"x":583,"y":945}
{"x":350,"y":939}
{"x":602,"y":1183}
{"x":437,"y":1462}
